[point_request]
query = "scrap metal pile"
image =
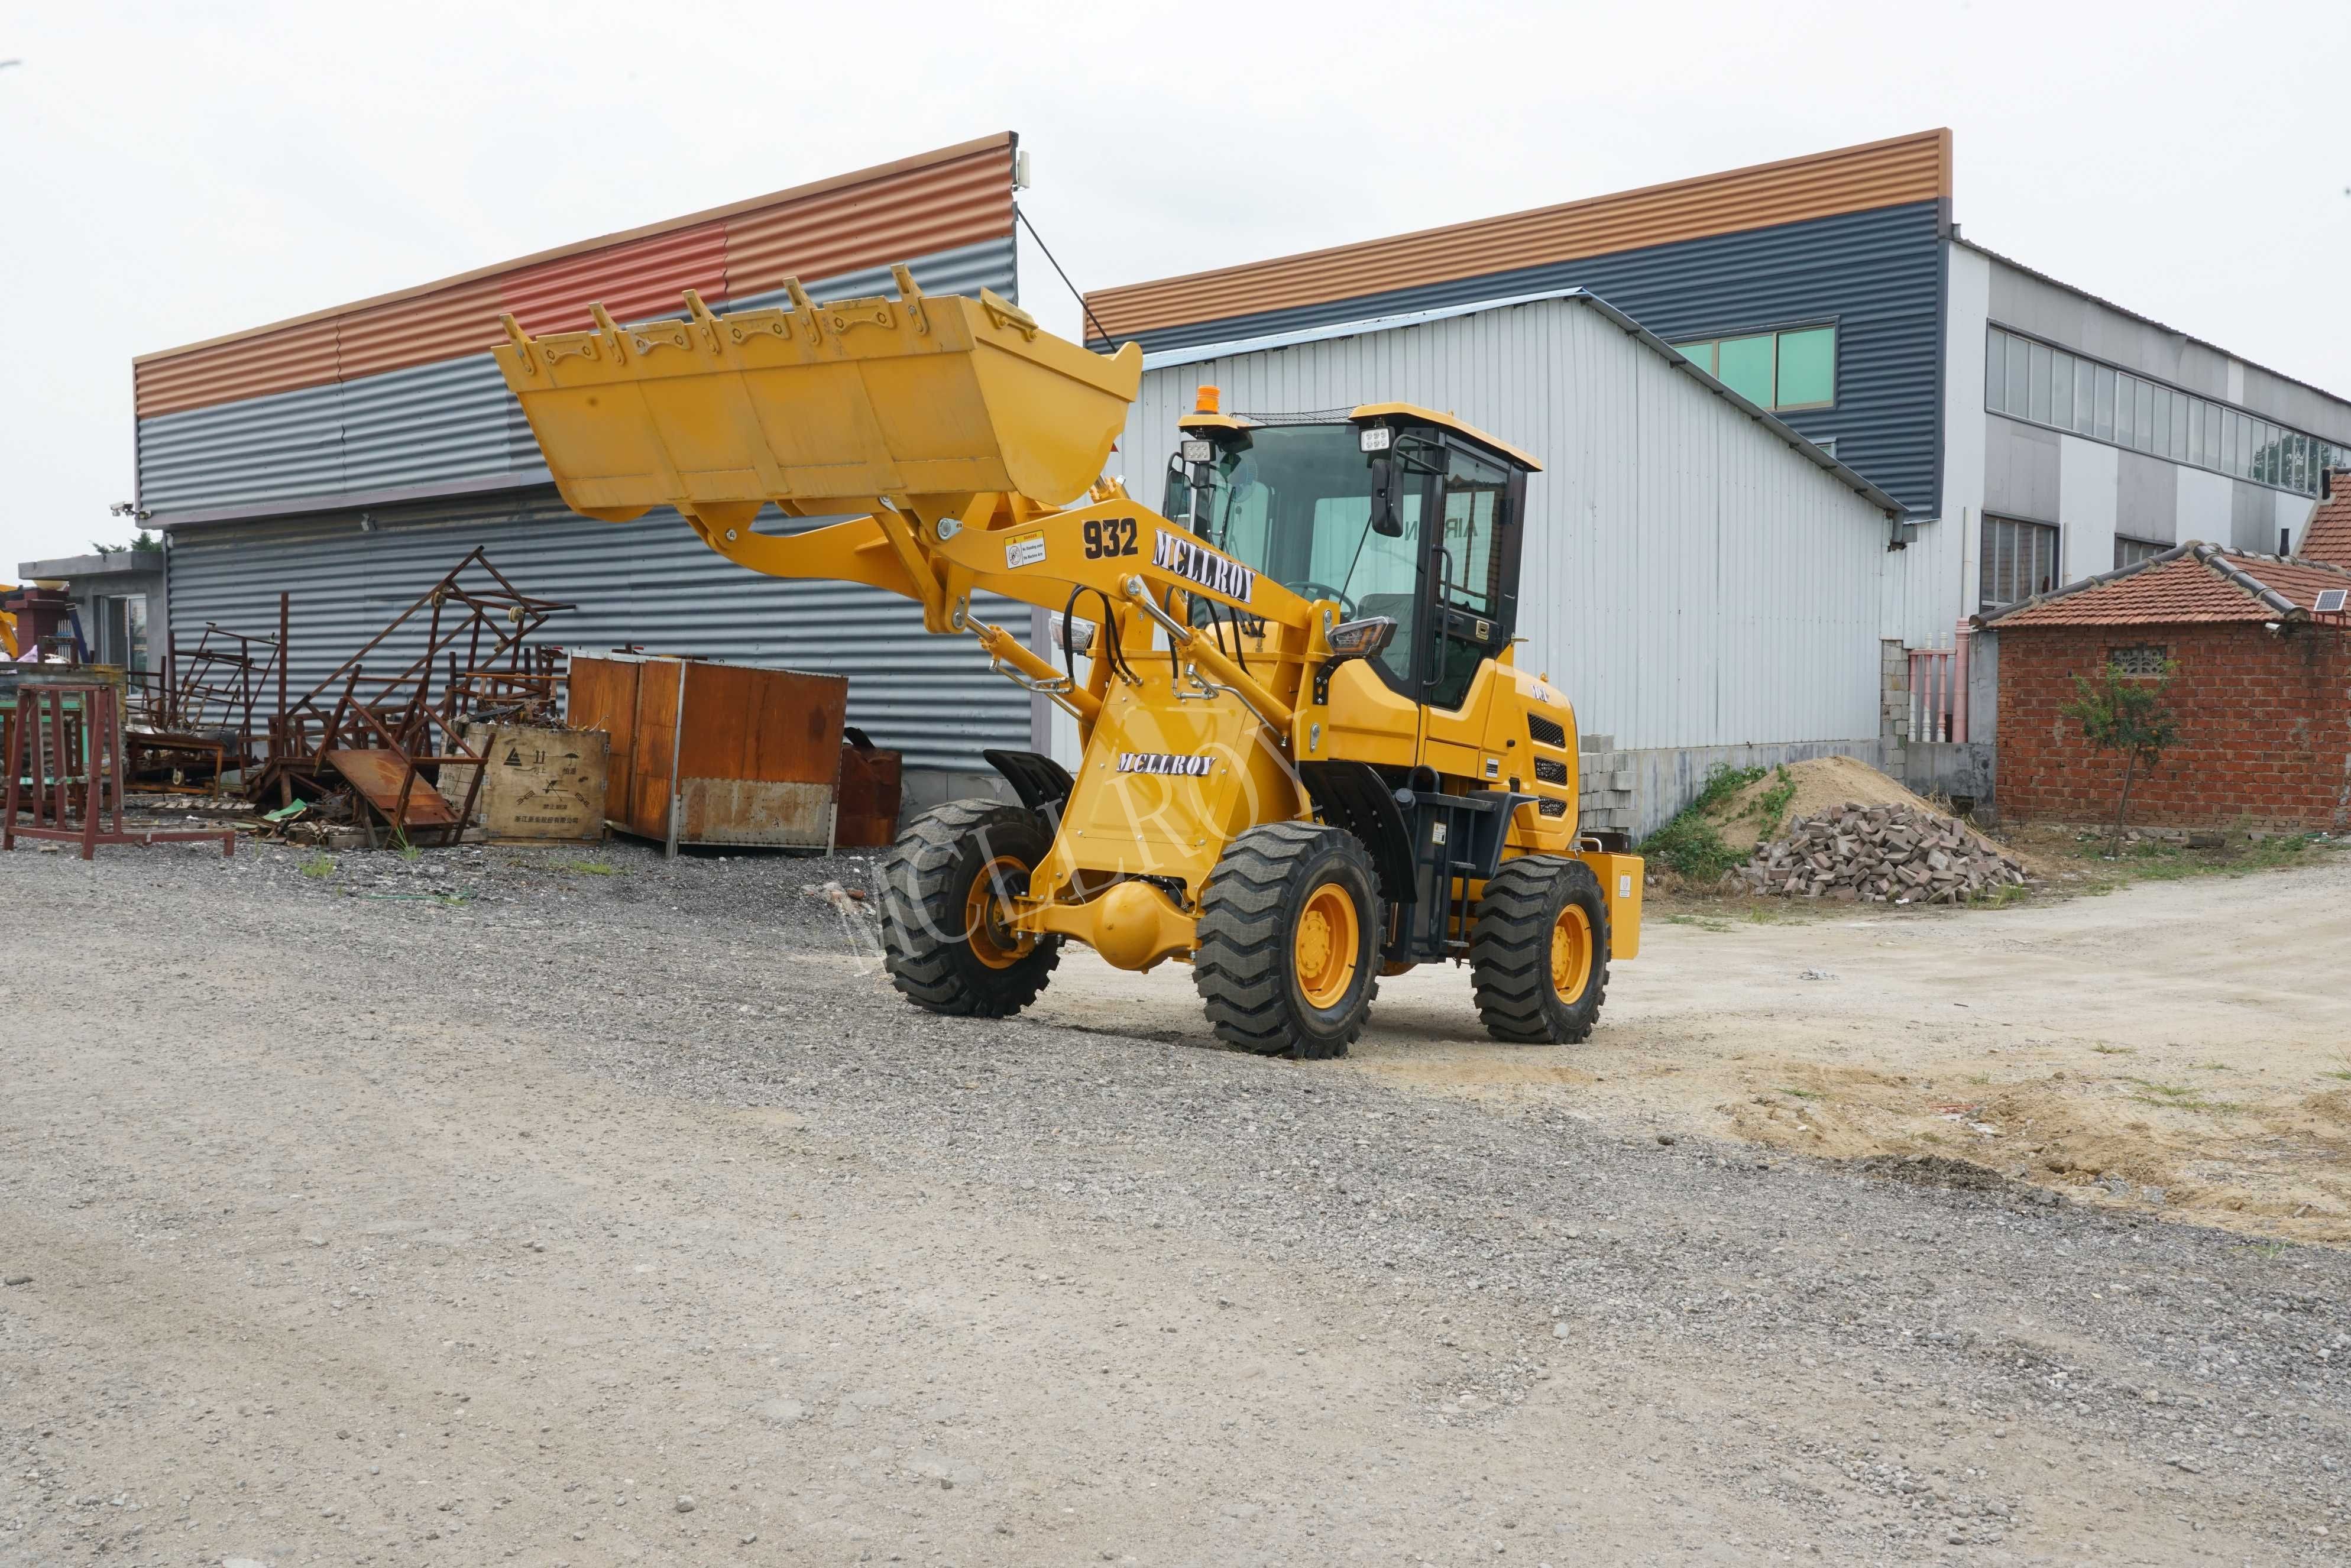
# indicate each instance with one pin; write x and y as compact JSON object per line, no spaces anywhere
{"x":365,"y":752}
{"x":1879,"y":854}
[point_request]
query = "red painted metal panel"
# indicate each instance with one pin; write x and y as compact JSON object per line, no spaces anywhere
{"x":958,"y":202}
{"x":640,"y":278}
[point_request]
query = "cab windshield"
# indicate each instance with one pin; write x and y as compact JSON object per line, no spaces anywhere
{"x":1295,"y":502}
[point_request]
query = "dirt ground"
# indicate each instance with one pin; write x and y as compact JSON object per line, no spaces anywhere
{"x":2181,"y":1049}
{"x":531,"y":1208}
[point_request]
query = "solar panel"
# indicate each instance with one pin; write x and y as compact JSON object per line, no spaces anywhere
{"x":2330,"y":601}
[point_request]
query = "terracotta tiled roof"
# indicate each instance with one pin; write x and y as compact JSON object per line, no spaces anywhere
{"x":2328,"y":536}
{"x":2192,"y":583}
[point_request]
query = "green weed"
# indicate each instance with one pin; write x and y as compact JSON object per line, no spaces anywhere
{"x":1801,"y":1094}
{"x":1771,"y":808}
{"x":1691,"y":843}
{"x":587,"y":868}
{"x":318,"y":868}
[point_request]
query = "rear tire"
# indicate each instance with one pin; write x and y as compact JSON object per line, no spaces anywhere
{"x":1539,"y":951}
{"x":1290,"y":931}
{"x":942,"y":937}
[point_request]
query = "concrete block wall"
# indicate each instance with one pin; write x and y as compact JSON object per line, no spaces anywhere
{"x":1638,"y":792}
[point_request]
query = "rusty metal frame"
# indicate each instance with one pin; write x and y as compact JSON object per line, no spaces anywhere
{"x":91,"y":735}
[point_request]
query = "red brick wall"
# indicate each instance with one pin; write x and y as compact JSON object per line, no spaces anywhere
{"x":2265,"y":728}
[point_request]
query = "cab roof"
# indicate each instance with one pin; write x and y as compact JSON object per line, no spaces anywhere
{"x":1413,"y":413}
{"x":1368,"y":413}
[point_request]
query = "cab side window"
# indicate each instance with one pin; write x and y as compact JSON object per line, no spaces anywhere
{"x":1468,"y":580}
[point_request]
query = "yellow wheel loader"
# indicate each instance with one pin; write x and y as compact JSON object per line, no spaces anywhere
{"x":1309,"y":756}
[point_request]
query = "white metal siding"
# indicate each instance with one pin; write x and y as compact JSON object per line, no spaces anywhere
{"x":1689,"y":580}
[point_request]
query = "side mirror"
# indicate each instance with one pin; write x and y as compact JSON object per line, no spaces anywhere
{"x":1361,"y":637}
{"x":1385,"y":520}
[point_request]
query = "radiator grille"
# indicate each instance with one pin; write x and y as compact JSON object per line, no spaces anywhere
{"x":1550,"y":770}
{"x":1547,"y":732}
{"x":1551,"y":808}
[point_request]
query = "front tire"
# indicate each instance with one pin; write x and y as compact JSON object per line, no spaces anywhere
{"x":1290,"y":930}
{"x":1539,"y":951}
{"x":944,"y":937}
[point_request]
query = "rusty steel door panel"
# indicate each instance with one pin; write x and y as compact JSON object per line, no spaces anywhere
{"x":604,"y":696}
{"x":377,"y":775}
{"x":749,"y":811}
{"x":775,"y":726}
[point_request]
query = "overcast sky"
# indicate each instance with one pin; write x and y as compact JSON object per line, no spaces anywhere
{"x":175,"y":172}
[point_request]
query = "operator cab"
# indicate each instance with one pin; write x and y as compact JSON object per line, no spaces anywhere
{"x":1390,"y":509}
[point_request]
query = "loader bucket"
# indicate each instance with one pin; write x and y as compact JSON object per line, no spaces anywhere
{"x":821,"y":407}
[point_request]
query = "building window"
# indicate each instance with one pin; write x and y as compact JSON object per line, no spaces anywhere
{"x":2046,"y":385}
{"x":2130,"y":552}
{"x":2020,"y":560}
{"x":1790,"y":369}
{"x":2146,"y":660}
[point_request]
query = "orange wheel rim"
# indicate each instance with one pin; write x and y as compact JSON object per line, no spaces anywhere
{"x":987,"y":918}
{"x":1323,"y":949}
{"x":1571,"y":952}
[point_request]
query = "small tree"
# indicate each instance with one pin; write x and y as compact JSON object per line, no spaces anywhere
{"x":2124,"y":713}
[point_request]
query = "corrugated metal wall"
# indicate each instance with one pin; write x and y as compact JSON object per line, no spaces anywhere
{"x":431,"y":425}
{"x":1876,"y":273}
{"x":1690,"y":581}
{"x":395,"y":398}
{"x":1897,"y":172}
{"x":650,"y":581}
{"x":258,"y":454}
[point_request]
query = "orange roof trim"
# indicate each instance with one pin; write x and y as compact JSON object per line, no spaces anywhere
{"x":915,"y":206}
{"x":1895,"y":171}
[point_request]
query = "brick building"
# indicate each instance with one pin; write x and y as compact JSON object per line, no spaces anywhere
{"x":2262,"y":696}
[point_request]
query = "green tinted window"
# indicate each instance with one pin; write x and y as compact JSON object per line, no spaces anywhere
{"x":1700,"y":354}
{"x":1808,"y":367}
{"x":1745,"y":367}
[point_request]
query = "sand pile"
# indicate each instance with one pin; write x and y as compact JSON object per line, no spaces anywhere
{"x":1820,"y":782}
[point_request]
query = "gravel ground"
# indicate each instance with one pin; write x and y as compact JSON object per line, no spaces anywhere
{"x":492,"y":1205}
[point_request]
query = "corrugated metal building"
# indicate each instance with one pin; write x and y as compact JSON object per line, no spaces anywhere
{"x":1836,"y":290}
{"x":352,"y":456}
{"x":1699,"y":578}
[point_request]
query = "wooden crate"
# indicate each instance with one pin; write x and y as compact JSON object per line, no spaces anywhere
{"x":539,"y":783}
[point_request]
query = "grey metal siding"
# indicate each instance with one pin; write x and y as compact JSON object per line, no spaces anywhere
{"x":1876,"y":273}
{"x":1690,"y":581}
{"x":274,"y":448}
{"x":649,"y":582}
{"x":448,"y":423}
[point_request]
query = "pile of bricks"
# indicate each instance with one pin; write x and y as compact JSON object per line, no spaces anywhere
{"x":1879,"y":854}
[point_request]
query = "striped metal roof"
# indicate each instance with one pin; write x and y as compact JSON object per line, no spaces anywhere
{"x":1898,"y":170}
{"x":2192,"y":583}
{"x":936,"y":201}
